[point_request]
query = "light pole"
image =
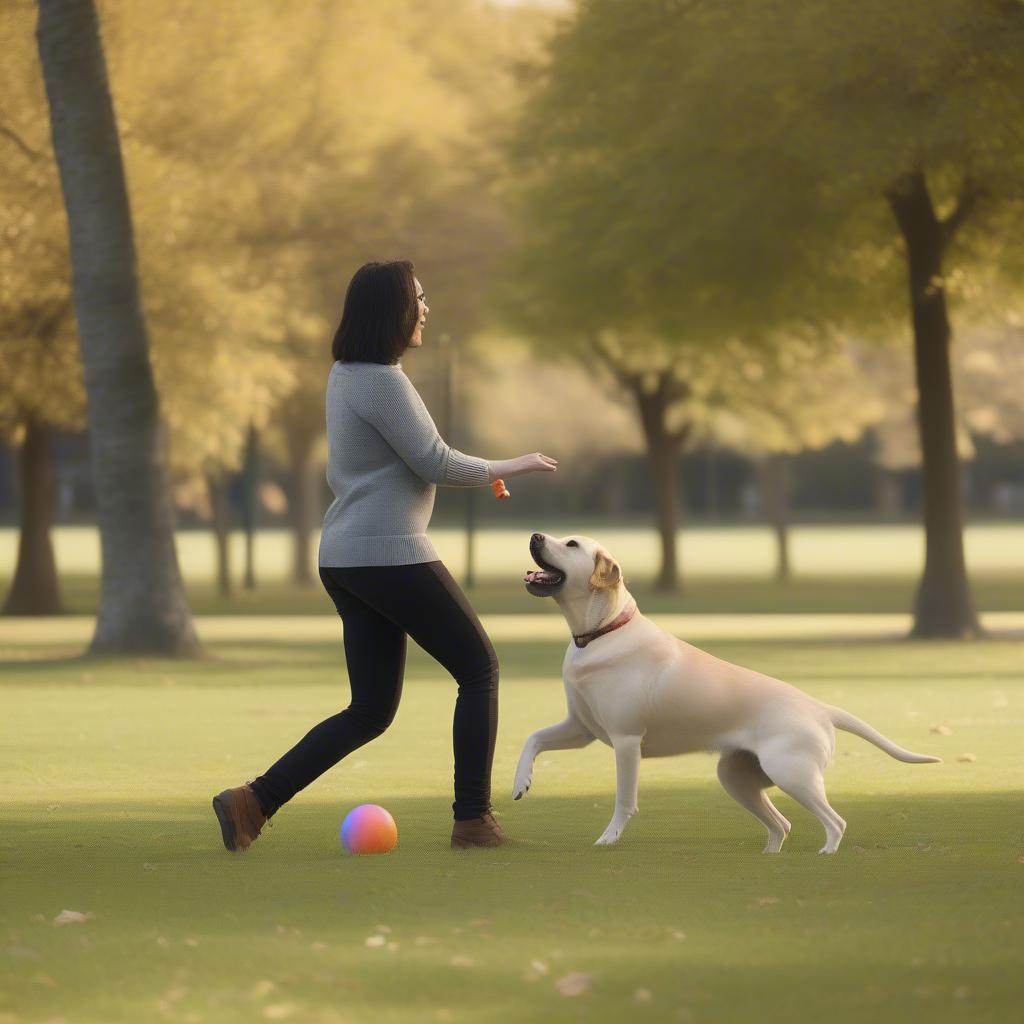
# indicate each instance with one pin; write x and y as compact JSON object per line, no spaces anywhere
{"x":249,"y":504}
{"x":448,"y":377}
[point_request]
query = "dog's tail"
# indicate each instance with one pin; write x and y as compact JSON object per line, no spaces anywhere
{"x":851,"y":723}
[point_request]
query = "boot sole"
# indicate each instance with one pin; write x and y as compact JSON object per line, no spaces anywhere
{"x":227,"y":830}
{"x":468,"y":844}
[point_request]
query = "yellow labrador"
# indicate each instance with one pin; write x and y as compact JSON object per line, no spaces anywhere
{"x":645,"y":693}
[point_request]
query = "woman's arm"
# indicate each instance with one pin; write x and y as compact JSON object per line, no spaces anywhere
{"x":394,"y":407}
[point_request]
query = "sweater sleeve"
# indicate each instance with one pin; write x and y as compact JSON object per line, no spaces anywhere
{"x":394,"y":408}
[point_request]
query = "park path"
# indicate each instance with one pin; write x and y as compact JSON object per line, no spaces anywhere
{"x":22,"y":632}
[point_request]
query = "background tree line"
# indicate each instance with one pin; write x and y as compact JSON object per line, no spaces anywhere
{"x":718,"y":210}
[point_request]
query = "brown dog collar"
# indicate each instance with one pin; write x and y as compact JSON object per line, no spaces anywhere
{"x":620,"y":620}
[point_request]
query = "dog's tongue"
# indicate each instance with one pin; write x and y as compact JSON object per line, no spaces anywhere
{"x":537,"y":576}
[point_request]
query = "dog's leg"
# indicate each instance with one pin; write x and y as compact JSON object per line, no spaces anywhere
{"x":627,"y":779}
{"x":799,"y":775}
{"x":566,"y":735}
{"x":743,"y":779}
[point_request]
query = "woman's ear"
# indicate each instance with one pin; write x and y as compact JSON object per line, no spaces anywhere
{"x":607,"y":573}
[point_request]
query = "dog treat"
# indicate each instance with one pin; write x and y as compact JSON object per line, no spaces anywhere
{"x":500,"y":490}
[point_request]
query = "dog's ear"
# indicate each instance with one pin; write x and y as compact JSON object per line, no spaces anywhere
{"x":607,"y":573}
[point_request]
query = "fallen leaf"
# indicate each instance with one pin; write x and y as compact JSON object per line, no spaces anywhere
{"x":318,"y":947}
{"x":573,"y":984}
{"x":261,"y":989}
{"x":73,"y":917}
{"x":376,"y":941}
{"x":642,"y":995}
{"x":942,"y":730}
{"x":461,"y":961}
{"x":768,"y":901}
{"x":967,"y":758}
{"x":278,"y":1011}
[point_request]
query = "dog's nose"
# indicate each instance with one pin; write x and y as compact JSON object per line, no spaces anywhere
{"x":537,"y":538}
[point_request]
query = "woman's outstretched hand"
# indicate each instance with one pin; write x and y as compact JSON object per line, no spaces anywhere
{"x":533,"y":463}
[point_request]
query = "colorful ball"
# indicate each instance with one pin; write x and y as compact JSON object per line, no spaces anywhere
{"x":369,"y":828}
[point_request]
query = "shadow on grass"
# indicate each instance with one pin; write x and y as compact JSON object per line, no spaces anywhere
{"x":918,"y":911}
{"x":689,"y":821}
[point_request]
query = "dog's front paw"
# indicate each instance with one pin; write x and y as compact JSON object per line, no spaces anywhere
{"x":612,"y":833}
{"x":521,"y":785}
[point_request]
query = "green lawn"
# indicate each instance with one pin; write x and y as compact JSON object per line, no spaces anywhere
{"x":108,"y":767}
{"x":705,"y":594}
{"x":837,"y":568}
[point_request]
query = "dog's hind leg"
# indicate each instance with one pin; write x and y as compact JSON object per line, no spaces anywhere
{"x":799,"y":775}
{"x":743,"y":779}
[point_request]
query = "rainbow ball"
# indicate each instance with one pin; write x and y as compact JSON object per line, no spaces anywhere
{"x":369,"y":828}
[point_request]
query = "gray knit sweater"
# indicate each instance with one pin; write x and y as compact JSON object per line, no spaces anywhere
{"x":384,"y":460}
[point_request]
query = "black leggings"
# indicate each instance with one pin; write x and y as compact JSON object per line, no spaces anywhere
{"x":379,"y":605}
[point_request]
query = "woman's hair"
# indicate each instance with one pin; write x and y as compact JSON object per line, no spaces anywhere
{"x":380,"y":314}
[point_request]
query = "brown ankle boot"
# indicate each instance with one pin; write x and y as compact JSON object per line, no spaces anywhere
{"x":241,"y":817}
{"x":482,"y":831}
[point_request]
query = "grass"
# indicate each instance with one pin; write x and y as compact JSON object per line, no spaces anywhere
{"x":699,"y":595}
{"x":837,"y":569}
{"x":108,"y":768}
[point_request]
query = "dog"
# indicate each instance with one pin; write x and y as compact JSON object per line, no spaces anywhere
{"x":645,"y":693}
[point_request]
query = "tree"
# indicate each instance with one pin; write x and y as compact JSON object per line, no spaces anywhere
{"x":798,"y":395}
{"x":400,"y":160}
{"x":214,"y":330}
{"x":741,"y":168}
{"x":40,"y":366}
{"x":142,"y":602}
{"x":988,"y":369}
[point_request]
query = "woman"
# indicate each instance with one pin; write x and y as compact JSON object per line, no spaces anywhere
{"x":385,"y":458}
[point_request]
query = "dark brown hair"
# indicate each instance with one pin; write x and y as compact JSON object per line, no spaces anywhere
{"x":379,"y":316}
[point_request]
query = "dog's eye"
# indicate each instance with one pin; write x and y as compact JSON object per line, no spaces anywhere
{"x":571,"y":544}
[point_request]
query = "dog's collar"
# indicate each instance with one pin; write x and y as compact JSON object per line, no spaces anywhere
{"x":582,"y":639}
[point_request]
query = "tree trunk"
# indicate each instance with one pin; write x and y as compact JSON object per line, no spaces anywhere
{"x":217,"y":486}
{"x":142,"y":601}
{"x":34,"y":590}
{"x":301,"y":500}
{"x":663,"y":448}
{"x":773,"y":478}
{"x":944,"y":605}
